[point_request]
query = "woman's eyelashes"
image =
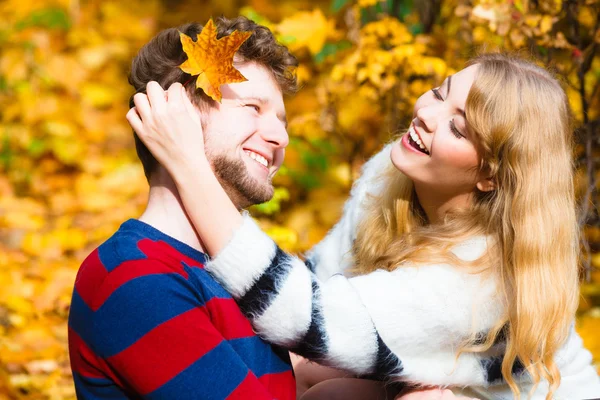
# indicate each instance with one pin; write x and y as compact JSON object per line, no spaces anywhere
{"x":453,"y":128}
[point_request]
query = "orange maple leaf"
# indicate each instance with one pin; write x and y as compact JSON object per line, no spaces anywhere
{"x":212,"y":59}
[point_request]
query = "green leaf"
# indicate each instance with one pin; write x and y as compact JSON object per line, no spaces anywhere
{"x":273,"y":206}
{"x":287,"y":39}
{"x":6,"y":153}
{"x":254,"y":15}
{"x":306,"y":181}
{"x":337,"y":5}
{"x":36,"y":147}
{"x":49,"y":18}
{"x":404,"y":8}
{"x":416,"y":29}
{"x":331,"y":49}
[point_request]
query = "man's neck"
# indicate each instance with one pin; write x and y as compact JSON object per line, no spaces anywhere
{"x":166,"y":213}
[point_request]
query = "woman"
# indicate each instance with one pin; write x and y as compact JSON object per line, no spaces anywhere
{"x":455,"y":261}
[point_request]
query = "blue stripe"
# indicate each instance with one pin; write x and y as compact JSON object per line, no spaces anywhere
{"x":205,"y":280}
{"x":119,"y":248}
{"x":95,"y":388}
{"x":147,"y":231}
{"x":213,"y":377}
{"x":139,"y":306}
{"x":81,"y":319}
{"x":259,"y":356}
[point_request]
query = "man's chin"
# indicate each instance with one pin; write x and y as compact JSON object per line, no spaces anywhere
{"x":254,"y":197}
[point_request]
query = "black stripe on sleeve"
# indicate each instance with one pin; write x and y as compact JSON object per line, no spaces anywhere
{"x":261,"y":295}
{"x":314,"y":343}
{"x":493,"y":369}
{"x":311,"y":263}
{"x":387,"y":364}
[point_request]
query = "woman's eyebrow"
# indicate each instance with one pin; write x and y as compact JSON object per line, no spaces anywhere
{"x":448,"y":85}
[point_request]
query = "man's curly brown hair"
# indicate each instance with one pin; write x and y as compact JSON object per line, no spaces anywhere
{"x":159,"y":61}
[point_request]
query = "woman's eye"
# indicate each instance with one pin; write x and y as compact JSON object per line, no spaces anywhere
{"x":257,"y":108}
{"x":437,"y":94}
{"x":455,"y":130}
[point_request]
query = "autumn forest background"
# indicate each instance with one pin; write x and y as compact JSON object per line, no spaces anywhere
{"x":69,"y":174}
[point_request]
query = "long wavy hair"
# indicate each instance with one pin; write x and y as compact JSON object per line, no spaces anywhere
{"x":519,"y":116}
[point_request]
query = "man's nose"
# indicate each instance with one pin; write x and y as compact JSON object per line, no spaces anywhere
{"x":274,"y":131}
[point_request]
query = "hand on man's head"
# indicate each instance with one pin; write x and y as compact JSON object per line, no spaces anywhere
{"x":168,"y":124}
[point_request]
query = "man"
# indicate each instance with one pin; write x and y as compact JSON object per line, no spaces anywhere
{"x":146,"y":319}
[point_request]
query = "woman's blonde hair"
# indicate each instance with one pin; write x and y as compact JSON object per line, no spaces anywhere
{"x":519,"y":116}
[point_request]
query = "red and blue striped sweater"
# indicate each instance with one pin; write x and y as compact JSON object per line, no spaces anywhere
{"x":147,"y":321}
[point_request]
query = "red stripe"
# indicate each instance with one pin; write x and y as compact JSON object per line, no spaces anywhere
{"x":86,"y":363}
{"x":164,"y":251}
{"x":166,"y":350}
{"x":132,"y":269}
{"x":89,"y":277}
{"x":250,"y":388}
{"x":281,"y":385}
{"x":227,"y":317}
{"x":83,"y":360}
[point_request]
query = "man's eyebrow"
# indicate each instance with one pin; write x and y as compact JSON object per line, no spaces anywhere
{"x":262,"y":101}
{"x":258,"y":99}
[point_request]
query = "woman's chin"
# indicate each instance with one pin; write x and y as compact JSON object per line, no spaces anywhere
{"x":399,"y":157}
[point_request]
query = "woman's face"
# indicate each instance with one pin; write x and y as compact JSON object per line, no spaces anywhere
{"x":438,"y":152}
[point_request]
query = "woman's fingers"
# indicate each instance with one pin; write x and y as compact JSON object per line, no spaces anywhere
{"x":135,"y":121}
{"x":191,"y":108}
{"x":142,"y":105}
{"x":174,"y":98}
{"x":156,"y":97}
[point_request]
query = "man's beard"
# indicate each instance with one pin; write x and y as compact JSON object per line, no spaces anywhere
{"x":243,"y":189}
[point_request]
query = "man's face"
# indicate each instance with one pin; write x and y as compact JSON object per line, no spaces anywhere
{"x":245,"y":136}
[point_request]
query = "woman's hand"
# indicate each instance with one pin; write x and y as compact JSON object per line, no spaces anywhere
{"x":431,"y":394}
{"x":169,"y":125}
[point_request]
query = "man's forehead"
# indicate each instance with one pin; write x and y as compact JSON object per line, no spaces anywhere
{"x":263,"y":90}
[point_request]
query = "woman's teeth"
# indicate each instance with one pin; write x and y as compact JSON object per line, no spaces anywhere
{"x":417,"y":140}
{"x":258,"y":158}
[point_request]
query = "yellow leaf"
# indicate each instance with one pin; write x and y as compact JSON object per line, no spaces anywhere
{"x":212,"y":59}
{"x":295,"y":28}
{"x":286,"y":238}
{"x":98,"y":94}
{"x":367,"y":3}
{"x":546,"y":24}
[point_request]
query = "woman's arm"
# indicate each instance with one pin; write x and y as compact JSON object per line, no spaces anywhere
{"x":351,"y":324}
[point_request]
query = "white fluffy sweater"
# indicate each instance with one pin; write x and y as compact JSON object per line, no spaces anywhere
{"x":406,"y":324}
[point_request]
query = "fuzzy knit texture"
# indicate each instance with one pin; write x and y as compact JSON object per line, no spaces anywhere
{"x":404,"y":325}
{"x":147,"y":321}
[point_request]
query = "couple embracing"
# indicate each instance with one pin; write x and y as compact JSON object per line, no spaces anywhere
{"x":454,"y":267}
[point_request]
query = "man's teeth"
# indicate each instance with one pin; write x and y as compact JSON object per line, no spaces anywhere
{"x":258,"y":158}
{"x":416,"y":139}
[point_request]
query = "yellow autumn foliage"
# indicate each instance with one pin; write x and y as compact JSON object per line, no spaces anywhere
{"x":68,"y":170}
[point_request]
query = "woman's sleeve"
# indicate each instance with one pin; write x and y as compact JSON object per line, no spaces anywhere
{"x":333,"y":254}
{"x":402,"y":323}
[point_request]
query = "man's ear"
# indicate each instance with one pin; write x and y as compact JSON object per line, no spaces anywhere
{"x":486,"y":184}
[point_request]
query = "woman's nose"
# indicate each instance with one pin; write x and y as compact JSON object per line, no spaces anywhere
{"x":428,"y":116}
